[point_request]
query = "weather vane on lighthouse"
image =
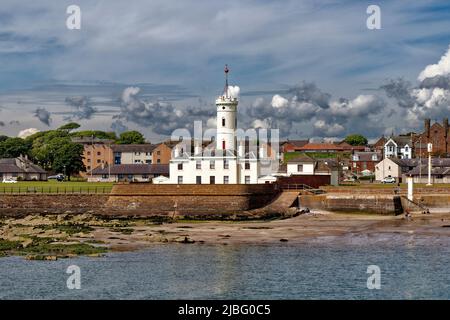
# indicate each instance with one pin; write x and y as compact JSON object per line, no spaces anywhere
{"x":226,"y":70}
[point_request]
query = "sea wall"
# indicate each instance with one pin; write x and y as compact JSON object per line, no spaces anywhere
{"x":22,"y":204}
{"x":189,"y":200}
{"x":147,"y":200}
{"x":369,"y":203}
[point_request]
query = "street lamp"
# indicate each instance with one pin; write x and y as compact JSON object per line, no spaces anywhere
{"x":430,"y":149}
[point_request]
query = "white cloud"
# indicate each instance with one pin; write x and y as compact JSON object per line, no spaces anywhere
{"x":233,"y":91}
{"x":439,"y":69}
{"x":27,"y":132}
{"x":279,"y":102}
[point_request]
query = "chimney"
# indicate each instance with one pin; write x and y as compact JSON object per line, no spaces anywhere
{"x":427,"y":127}
{"x":445,"y":127}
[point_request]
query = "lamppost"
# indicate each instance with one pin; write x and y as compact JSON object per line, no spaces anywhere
{"x":430,"y":149}
{"x":64,"y":172}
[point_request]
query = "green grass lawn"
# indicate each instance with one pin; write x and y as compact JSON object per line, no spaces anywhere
{"x":56,"y":187}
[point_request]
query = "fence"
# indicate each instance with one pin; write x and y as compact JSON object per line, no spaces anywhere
{"x":55,"y":189}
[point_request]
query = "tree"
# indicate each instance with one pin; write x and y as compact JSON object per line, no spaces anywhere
{"x":68,"y":159}
{"x":3,"y":138}
{"x":14,"y":147}
{"x":96,"y":134}
{"x":131,"y":137}
{"x":69,"y":126}
{"x":356,"y":140}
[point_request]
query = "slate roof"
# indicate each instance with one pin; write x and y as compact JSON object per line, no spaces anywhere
{"x":133,"y":147}
{"x":125,"y":169}
{"x":19,"y":165}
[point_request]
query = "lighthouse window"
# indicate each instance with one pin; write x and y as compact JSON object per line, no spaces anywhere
{"x":223,"y":122}
{"x":223,"y":108}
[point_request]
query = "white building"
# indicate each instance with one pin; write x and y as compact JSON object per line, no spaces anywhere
{"x":219,"y":163}
{"x":398,"y":147}
{"x":133,"y":153}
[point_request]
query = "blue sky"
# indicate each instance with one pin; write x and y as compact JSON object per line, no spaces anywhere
{"x":174,"y":52}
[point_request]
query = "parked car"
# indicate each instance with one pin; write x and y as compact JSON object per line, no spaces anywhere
{"x":58,"y":177}
{"x":388,"y":180}
{"x":9,"y":180}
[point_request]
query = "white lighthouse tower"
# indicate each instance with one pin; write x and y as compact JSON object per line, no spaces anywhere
{"x":226,"y":118}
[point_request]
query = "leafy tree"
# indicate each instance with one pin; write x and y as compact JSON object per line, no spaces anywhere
{"x":356,"y":140}
{"x":95,"y":133}
{"x":68,"y":159}
{"x":3,"y":138}
{"x":14,"y":147}
{"x":69,"y":126}
{"x":131,"y":137}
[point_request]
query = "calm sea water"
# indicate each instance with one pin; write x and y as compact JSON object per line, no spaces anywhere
{"x":283,"y":271}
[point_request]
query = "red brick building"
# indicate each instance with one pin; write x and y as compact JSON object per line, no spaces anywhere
{"x":438,"y":135}
{"x":362,"y":161}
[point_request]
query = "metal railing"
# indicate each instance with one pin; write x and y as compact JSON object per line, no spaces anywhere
{"x":55,"y":190}
{"x":301,"y":186}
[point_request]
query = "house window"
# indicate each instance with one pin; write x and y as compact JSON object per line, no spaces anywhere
{"x":88,"y":153}
{"x":120,"y":176}
{"x":137,"y":153}
{"x":247,"y":165}
{"x":180,"y":179}
{"x":99,"y":153}
{"x":198,"y":165}
{"x":144,"y":176}
{"x":198,"y":179}
{"x":158,"y":160}
{"x":99,"y":161}
{"x":223,"y":122}
{"x":374,"y":157}
{"x":104,"y":176}
{"x":180,"y":166}
{"x":212,"y":180}
{"x":247,"y":179}
{"x":89,"y":167}
{"x":299,"y":168}
{"x":137,"y":161}
{"x":158,"y":153}
{"x":148,"y":161}
{"x":89,"y":160}
{"x":226,"y":164}
{"x":212,"y":164}
{"x":226,"y":179}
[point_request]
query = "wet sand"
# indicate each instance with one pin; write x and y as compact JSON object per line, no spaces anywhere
{"x":316,"y":227}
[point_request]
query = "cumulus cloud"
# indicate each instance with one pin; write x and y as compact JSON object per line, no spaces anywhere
{"x":14,"y":122}
{"x":2,"y":124}
{"x":305,"y":104}
{"x":279,"y":102}
{"x":322,"y":128}
{"x":438,"y":69}
{"x":233,"y":91}
{"x":430,"y":98}
{"x":82,"y":107}
{"x":27,"y":132}
{"x":43,"y":115}
{"x":162,"y":117}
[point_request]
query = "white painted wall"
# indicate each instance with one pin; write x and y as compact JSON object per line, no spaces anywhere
{"x":132,"y":157}
{"x":387,"y":168}
{"x":308,"y":168}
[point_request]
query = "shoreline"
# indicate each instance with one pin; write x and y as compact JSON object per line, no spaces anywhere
{"x":49,"y":237}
